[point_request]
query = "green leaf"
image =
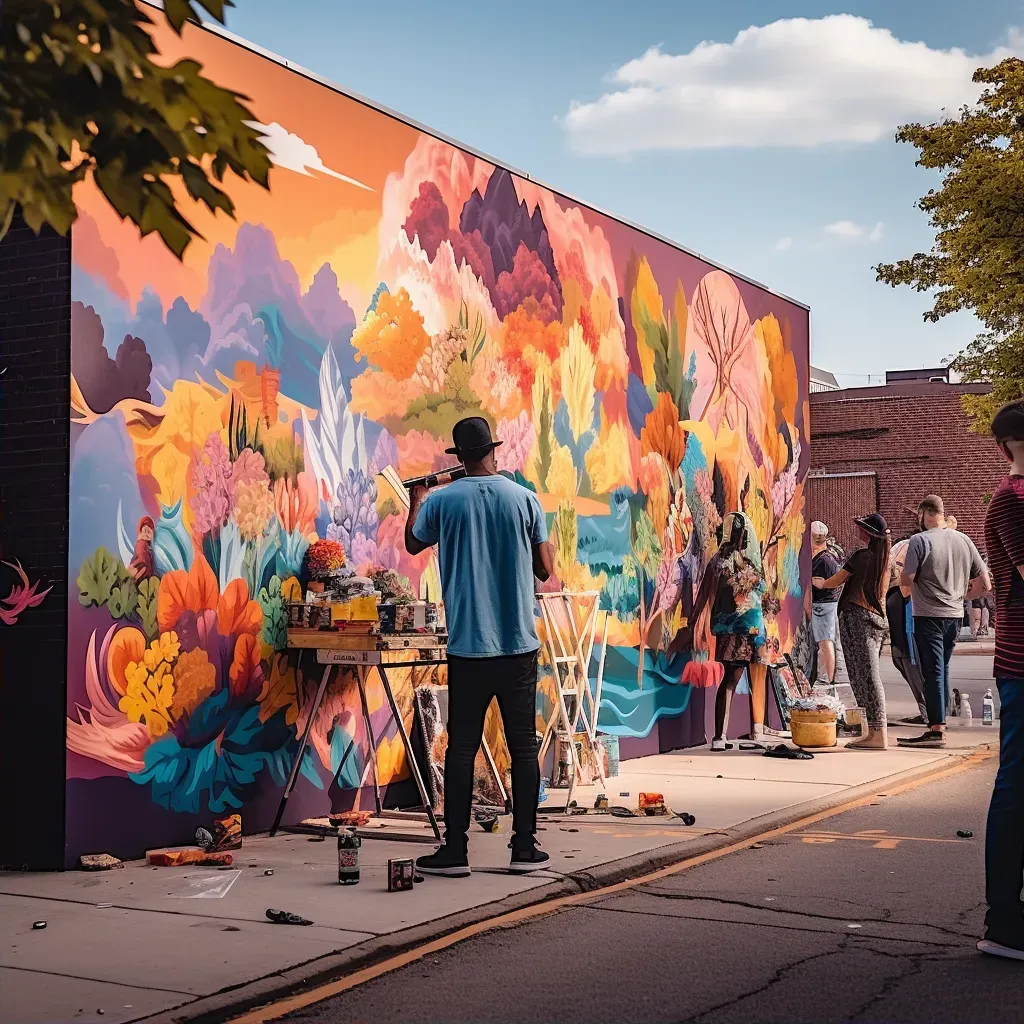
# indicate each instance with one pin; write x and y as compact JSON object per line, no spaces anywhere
{"x":123,"y":600}
{"x":82,"y":91}
{"x":149,"y":588}
{"x":97,"y":578}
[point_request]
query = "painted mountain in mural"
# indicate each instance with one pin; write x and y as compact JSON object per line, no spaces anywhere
{"x":512,"y":236}
{"x":253,"y":290}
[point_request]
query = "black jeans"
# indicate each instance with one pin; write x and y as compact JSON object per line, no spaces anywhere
{"x":936,"y":639}
{"x":472,"y":682}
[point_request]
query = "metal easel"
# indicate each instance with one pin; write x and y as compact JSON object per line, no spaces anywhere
{"x":569,"y":652}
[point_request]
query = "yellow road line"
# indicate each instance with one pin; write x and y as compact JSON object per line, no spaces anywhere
{"x":290,"y":1004}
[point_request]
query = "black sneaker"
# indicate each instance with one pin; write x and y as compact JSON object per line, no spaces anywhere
{"x":527,"y":858}
{"x":916,"y":720}
{"x":450,"y":861}
{"x":931,"y":739}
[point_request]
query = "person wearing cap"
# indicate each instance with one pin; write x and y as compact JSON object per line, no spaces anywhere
{"x":942,"y":568}
{"x":824,"y":615}
{"x":492,"y":541}
{"x":862,"y":623}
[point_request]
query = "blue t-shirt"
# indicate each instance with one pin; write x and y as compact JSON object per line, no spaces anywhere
{"x":486,"y":528}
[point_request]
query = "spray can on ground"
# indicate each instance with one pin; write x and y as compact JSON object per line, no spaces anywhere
{"x":348,"y":857}
{"x":988,"y":708}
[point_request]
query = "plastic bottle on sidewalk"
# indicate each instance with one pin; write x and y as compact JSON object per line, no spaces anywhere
{"x":966,"y":716}
{"x":988,"y":708}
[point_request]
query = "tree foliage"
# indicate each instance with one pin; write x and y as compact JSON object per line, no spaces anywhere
{"x":81,"y":93}
{"x":977,"y":260}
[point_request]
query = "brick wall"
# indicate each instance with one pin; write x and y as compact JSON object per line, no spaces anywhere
{"x":35,"y":369}
{"x":915,"y":437}
{"x":835,"y":499}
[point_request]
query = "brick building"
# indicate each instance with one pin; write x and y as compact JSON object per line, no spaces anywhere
{"x":881,"y":449}
{"x":35,"y":389}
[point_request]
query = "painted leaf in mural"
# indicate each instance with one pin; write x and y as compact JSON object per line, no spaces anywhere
{"x":97,"y":578}
{"x":21,"y":596}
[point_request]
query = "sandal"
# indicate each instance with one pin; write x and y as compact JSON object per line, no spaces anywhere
{"x":284,"y":917}
{"x":787,"y":753}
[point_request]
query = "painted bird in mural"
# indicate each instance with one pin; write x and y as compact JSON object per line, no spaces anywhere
{"x":22,"y":596}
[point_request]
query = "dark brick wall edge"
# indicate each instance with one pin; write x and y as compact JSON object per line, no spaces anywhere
{"x":35,"y":391}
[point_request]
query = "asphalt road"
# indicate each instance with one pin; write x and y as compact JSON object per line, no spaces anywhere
{"x":805,"y":927}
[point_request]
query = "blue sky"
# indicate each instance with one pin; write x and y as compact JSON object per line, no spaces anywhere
{"x":771,"y":153}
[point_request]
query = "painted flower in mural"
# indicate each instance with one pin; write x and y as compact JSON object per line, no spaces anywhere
{"x":211,"y":481}
{"x":444,"y":348}
{"x":254,"y":508}
{"x":150,"y":691}
{"x":392,"y":336}
{"x":516,"y":436}
{"x":248,"y":468}
{"x":355,"y":511}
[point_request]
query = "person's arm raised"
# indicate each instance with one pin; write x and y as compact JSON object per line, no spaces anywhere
{"x":412,"y":543}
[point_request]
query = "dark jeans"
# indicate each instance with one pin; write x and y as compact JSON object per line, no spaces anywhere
{"x":1004,"y":838}
{"x":472,"y":682}
{"x":936,"y":639}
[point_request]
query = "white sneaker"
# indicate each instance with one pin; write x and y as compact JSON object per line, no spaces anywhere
{"x":717,"y":745}
{"x":997,"y":949}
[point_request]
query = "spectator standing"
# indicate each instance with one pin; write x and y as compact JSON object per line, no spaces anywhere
{"x":824,"y":603}
{"x":862,"y":623}
{"x":942,"y":568}
{"x":1004,"y":841}
{"x":902,"y":646}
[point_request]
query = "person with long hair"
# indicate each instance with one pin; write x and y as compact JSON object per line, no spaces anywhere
{"x":737,"y":618}
{"x":862,"y":623}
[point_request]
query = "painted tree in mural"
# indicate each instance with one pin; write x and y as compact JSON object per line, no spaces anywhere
{"x":81,"y":94}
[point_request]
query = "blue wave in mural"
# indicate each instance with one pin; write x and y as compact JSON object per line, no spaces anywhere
{"x":627,"y":711}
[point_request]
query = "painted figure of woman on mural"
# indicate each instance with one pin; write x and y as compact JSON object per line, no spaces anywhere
{"x":862,"y":622}
{"x":737,"y":618}
{"x":143,"y":564}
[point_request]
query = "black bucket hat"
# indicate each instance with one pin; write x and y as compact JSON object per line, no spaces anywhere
{"x":874,"y":524}
{"x":471,"y":439}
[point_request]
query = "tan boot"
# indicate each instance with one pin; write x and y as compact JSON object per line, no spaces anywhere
{"x":876,"y":739}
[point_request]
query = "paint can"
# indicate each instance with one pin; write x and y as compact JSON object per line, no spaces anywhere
{"x":401,"y":872}
{"x":348,"y":857}
{"x":611,"y":755}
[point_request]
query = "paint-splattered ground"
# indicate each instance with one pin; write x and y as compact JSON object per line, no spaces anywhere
{"x":810,"y":927}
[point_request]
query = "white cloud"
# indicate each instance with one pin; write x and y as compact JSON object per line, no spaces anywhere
{"x":784,"y":243}
{"x":796,"y":82}
{"x":849,"y":231}
{"x":290,"y":151}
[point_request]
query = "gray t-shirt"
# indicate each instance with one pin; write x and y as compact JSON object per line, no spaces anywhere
{"x":943,"y":562}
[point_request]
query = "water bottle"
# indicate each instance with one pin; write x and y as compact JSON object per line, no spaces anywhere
{"x":966,"y":716}
{"x":988,"y":708}
{"x":348,"y":857}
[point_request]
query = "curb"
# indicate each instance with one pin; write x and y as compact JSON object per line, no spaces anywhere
{"x":222,"y":1006}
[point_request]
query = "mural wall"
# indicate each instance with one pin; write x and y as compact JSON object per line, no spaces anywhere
{"x":230,"y":409}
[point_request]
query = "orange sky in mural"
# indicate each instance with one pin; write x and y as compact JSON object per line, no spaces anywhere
{"x":314,"y":217}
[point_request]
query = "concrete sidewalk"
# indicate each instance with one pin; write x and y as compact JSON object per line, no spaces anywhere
{"x":127,"y":943}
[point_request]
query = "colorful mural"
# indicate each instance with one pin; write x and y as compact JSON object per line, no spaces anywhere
{"x":230,"y":409}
